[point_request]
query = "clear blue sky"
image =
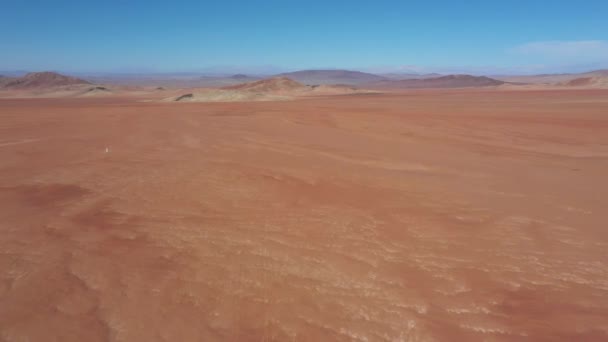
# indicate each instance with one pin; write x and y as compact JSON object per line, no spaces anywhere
{"x":478,"y":36}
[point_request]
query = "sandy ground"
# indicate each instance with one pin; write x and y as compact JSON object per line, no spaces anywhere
{"x":423,"y":216}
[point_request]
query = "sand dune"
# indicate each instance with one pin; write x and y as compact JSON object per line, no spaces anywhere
{"x":271,"y":85}
{"x":272,"y":89}
{"x":96,"y":91}
{"x":587,"y":82}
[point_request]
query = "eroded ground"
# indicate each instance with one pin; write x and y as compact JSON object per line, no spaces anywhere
{"x":425,"y":216}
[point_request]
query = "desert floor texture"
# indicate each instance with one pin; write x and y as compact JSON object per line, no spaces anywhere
{"x":460,"y":215}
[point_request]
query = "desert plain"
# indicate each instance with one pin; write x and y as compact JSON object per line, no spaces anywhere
{"x":416,"y":215}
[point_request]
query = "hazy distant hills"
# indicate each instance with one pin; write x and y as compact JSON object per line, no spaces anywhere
{"x":449,"y":81}
{"x":551,"y":78}
{"x":408,"y":76}
{"x":175,"y":80}
{"x":307,"y":77}
{"x":332,"y":77}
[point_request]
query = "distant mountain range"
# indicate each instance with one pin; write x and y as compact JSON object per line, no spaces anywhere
{"x":407,"y":76}
{"x":449,"y":81}
{"x":551,"y":78}
{"x":593,"y":79}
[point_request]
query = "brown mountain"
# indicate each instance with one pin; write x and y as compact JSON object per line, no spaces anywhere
{"x":4,"y":80}
{"x":45,"y":79}
{"x":315,"y":77}
{"x":449,"y":81}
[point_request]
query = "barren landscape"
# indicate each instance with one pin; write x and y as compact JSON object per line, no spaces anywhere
{"x":420,"y":215}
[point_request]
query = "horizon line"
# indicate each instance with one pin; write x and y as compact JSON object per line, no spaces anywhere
{"x":236,"y":71}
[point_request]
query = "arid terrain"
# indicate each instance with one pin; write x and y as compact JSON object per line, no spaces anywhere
{"x":419,"y":215}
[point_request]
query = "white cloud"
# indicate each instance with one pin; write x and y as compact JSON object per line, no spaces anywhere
{"x":579,"y":50}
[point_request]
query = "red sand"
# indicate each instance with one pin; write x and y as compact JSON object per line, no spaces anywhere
{"x":423,"y":216}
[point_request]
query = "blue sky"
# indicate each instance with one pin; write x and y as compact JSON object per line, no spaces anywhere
{"x":488,"y":36}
